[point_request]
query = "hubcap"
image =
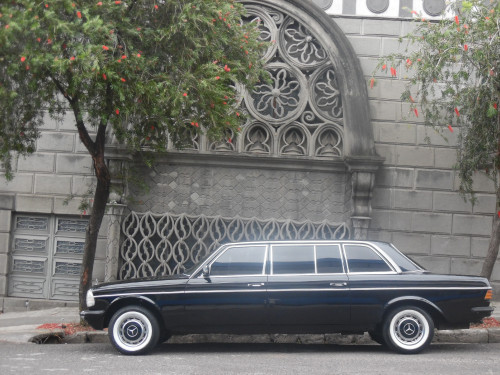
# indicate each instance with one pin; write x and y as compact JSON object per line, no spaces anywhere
{"x":132,"y":331}
{"x":409,"y":329}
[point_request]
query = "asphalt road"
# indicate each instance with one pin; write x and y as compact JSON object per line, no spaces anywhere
{"x":273,"y":359}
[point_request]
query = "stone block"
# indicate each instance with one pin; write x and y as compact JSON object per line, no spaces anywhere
{"x":101,"y":249}
{"x":30,"y":203}
{"x":99,"y":270}
{"x":404,"y":177}
{"x":394,"y":45}
{"x":390,"y":220}
{"x":485,"y":204}
{"x":434,"y":264}
{"x":74,"y":164}
{"x":5,"y":220}
{"x":432,"y":222}
{"x":3,"y":286}
{"x":472,"y":224}
{"x":408,"y":27}
{"x":6,"y":201}
{"x":384,"y":88}
{"x":450,"y":245}
{"x":56,"y":141}
{"x":67,"y":207}
{"x":414,"y":156}
{"x":38,"y":162}
{"x":349,"y":25}
{"x":380,"y":235}
{"x":427,"y":135}
{"x":21,"y":183}
{"x":462,"y":336}
{"x":383,"y":110}
{"x":450,"y":202}
{"x":52,"y":184}
{"x":4,"y":264}
{"x":479,"y":246}
{"x":388,"y":152}
{"x":381,"y":27}
{"x":385,"y":177}
{"x":4,"y":243}
{"x":412,"y":243}
{"x":82,"y":184}
{"x":461,"y":266}
{"x":381,"y":198}
{"x":483,"y":184}
{"x":493,"y":335}
{"x":434,"y":179}
{"x":369,"y":68}
{"x":394,"y":133}
{"x":445,"y":158}
{"x":68,"y":122}
{"x":413,"y":200}
{"x":366,"y":46}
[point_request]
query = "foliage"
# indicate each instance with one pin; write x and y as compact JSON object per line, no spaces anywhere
{"x":454,"y":69}
{"x":150,"y":69}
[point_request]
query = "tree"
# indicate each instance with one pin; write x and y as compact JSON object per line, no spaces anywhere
{"x":146,"y":70}
{"x":454,"y":68}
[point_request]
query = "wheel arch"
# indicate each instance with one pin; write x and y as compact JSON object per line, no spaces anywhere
{"x":142,"y":301}
{"x":431,"y":308}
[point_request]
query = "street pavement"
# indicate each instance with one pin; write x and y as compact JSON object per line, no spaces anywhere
{"x":21,"y":327}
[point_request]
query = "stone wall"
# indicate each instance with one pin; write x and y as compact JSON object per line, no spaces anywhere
{"x":415,"y":203}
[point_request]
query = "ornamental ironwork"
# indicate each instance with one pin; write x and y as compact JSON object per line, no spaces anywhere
{"x":165,"y":244}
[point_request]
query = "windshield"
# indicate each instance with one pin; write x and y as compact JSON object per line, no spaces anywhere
{"x":405,"y":263}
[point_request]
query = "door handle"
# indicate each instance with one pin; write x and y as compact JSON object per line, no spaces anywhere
{"x":338,"y":284}
{"x":256,"y":285}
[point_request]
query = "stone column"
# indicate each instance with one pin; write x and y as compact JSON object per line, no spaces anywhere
{"x":114,"y":213}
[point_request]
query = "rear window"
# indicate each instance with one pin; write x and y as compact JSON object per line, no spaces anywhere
{"x":364,"y":259}
{"x":405,"y":263}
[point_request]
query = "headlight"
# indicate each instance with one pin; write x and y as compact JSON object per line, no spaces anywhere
{"x":90,"y":298}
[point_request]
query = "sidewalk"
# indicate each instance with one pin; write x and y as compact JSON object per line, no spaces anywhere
{"x":21,"y":327}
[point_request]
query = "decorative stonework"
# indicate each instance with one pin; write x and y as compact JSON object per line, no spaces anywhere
{"x":377,"y":6}
{"x":434,"y":7}
{"x":165,"y":244}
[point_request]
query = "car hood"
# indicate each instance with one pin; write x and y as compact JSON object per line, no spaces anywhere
{"x":142,"y":284}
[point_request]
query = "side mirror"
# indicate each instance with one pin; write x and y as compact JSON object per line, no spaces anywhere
{"x":206,"y":272}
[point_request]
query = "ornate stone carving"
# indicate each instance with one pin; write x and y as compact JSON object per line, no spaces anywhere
{"x":258,"y":139}
{"x":163,"y":244}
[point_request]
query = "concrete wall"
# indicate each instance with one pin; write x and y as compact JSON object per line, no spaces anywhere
{"x":415,"y":203}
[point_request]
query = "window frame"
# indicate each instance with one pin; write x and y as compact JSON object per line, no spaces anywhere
{"x":210,"y":262}
{"x":382,"y":256}
{"x":314,"y":245}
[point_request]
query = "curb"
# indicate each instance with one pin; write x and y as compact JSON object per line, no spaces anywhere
{"x":459,"y":336}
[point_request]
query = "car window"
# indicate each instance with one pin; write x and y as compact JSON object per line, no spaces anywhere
{"x":406,"y":264}
{"x":240,"y":260}
{"x":364,"y":259}
{"x":328,"y":259}
{"x":290,"y":259}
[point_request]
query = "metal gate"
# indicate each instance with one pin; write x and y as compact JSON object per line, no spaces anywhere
{"x":46,"y":256}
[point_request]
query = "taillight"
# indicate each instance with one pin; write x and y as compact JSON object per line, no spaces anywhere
{"x":489,"y":295}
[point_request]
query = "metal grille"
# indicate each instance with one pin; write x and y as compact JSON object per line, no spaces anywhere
{"x":30,"y":245}
{"x":164,"y":244}
{"x":73,"y":226}
{"x":70,"y":247}
{"x":32,"y":223}
{"x":29,"y":266}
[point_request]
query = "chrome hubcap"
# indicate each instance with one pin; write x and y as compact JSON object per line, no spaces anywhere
{"x":132,"y":331}
{"x":409,"y":329}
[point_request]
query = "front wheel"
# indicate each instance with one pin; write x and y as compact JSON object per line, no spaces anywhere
{"x":408,"y":330}
{"x":133,"y":330}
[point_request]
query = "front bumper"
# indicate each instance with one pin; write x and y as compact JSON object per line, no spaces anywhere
{"x":94,"y":317}
{"x":482,"y":312}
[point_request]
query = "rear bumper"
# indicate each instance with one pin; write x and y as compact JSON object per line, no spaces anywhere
{"x":94,"y":318}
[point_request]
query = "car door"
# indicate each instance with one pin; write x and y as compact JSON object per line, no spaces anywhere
{"x":307,"y":288}
{"x":232,"y":297}
{"x":371,"y":279}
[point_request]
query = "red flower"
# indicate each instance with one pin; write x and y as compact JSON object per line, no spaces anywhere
{"x":46,"y":5}
{"x":372,"y":82}
{"x":457,"y":20}
{"x":118,"y":2}
{"x":99,"y":3}
{"x":79,"y":14}
{"x":104,"y":76}
{"x":185,"y":94}
{"x":7,"y":26}
{"x":416,"y":112}
{"x":411,"y":99}
{"x":124,"y":57}
{"x":450,"y":128}
{"x":156,"y":6}
{"x":495,"y":105}
{"x":23,"y":59}
{"x":393,"y":72}
{"x":217,"y":78}
{"x":226,"y":68}
{"x":117,"y":111}
{"x":384,"y":67}
{"x":123,"y":80}
{"x":466,"y":47}
{"x":457,"y":112}
{"x":105,"y":48}
{"x":138,"y":55}
{"x":72,"y":58}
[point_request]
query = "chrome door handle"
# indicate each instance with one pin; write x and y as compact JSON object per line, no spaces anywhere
{"x":338,"y":284}
{"x":256,"y":285}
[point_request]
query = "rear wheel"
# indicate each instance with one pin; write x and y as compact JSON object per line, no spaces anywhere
{"x":408,"y":329}
{"x":133,"y":330}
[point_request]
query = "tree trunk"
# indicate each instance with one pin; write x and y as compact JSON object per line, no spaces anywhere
{"x":492,"y":254}
{"x":98,"y":210}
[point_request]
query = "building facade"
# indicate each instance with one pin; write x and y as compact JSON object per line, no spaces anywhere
{"x":322,"y":155}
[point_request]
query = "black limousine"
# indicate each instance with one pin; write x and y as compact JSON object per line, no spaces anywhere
{"x":292,"y":287}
